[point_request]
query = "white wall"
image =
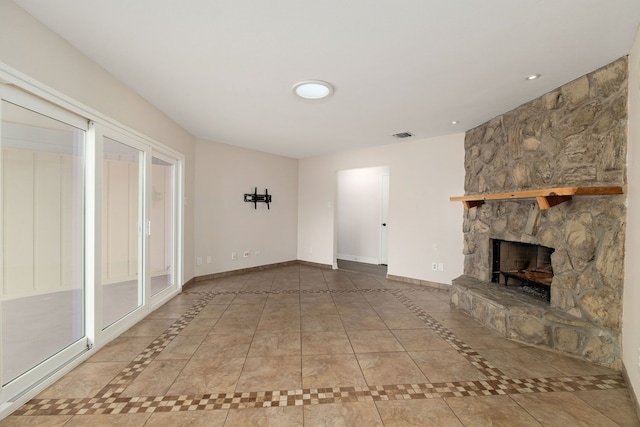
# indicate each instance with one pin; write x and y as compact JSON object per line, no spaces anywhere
{"x":226,"y":224}
{"x":359,"y":213}
{"x":631,"y":313}
{"x":423,"y":175}
{"x":31,"y":48}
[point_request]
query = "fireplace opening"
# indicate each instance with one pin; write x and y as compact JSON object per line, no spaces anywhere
{"x":526,"y":266}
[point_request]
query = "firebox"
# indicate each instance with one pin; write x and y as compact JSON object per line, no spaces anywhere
{"x":524,"y":265}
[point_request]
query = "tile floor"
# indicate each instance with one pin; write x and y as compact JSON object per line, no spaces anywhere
{"x":299,"y":345}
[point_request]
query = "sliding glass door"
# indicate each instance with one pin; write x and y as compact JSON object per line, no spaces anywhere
{"x":42,"y":284}
{"x":89,"y":236}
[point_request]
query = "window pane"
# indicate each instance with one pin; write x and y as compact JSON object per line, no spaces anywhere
{"x":42,"y":238}
{"x":121,"y":284}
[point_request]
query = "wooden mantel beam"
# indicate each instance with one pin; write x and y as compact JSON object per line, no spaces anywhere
{"x":546,"y":198}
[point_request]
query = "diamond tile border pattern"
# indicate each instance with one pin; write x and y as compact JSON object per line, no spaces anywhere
{"x":109,"y":401}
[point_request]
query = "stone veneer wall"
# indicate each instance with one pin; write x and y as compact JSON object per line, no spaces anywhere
{"x":573,"y":136}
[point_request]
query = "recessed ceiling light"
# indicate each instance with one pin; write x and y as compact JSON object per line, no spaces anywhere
{"x":312,"y":89}
{"x":533,"y":77}
{"x":455,"y":122}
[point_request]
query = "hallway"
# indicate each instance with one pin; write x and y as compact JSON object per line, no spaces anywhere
{"x":300,"y":345}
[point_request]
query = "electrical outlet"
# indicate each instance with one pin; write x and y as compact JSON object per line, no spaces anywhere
{"x":246,"y":254}
{"x":434,"y":266}
{"x":234,"y":255}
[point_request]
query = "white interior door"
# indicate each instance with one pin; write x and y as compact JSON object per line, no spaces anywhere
{"x":384,"y":222}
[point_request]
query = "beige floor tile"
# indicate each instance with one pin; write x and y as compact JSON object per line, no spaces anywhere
{"x":318,"y":308}
{"x":243,"y":309}
{"x":35,"y":421}
{"x":391,"y":308}
{"x":122,"y":349}
{"x":279,"y":324}
{"x":333,"y":370}
{"x":311,"y":285}
{"x":109,"y":420}
{"x":222,"y":299}
{"x":615,"y":404}
{"x":358,"y":309}
{"x":84,"y":381}
{"x":321,"y":323}
{"x":362,"y":322}
{"x":437,"y":306}
{"x":390,"y":368}
{"x":315,"y":298}
{"x":213,"y":311}
{"x":232,"y":325}
{"x":402,"y":321}
{"x":491,"y":411}
{"x":482,"y":337}
{"x":445,"y":365}
{"x":281,"y":310}
{"x":181,"y":347}
{"x":208,"y":376}
{"x":455,"y":319}
{"x":188,"y":419}
{"x":199,"y":326}
{"x":216,"y":346}
{"x":374,"y":341}
{"x":342,"y":415}
{"x":285,"y":299}
{"x":326,"y":343}
{"x":285,"y":286}
{"x":266,"y":417}
{"x":250,"y":299}
{"x":518,"y":363}
{"x":271,"y":373}
{"x":275,"y":344}
{"x":257,"y":286}
{"x":148,"y":328}
{"x":561,"y":409}
{"x":291,"y":340}
{"x":568,"y":365}
{"x":341,"y":286}
{"x":420,"y":340}
{"x":418,"y":413}
{"x":156,"y":379}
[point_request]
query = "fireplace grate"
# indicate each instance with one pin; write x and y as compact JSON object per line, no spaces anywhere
{"x":529,"y":266}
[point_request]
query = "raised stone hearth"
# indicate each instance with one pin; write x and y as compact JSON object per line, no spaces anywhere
{"x":519,"y":317}
{"x":572,"y":136}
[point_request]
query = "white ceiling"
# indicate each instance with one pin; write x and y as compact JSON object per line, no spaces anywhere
{"x":223,"y":69}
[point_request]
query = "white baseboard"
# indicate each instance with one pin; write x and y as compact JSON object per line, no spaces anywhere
{"x":366,"y":260}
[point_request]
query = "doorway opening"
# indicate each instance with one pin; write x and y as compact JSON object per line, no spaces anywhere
{"x":362,"y":222}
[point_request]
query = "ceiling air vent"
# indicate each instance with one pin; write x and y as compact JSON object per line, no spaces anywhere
{"x":402,"y":135}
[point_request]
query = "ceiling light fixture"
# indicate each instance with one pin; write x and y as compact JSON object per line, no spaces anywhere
{"x":313,"y":89}
{"x":455,"y":122}
{"x":533,"y":77}
{"x":402,"y":135}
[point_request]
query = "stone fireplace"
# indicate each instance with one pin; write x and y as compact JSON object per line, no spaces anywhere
{"x":573,"y":136}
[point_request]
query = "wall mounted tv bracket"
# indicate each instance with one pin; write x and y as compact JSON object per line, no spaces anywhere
{"x":255,"y":198}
